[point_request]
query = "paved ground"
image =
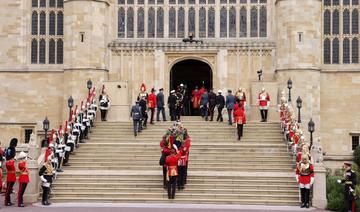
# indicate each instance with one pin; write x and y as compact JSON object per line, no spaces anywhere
{"x":138,"y":207}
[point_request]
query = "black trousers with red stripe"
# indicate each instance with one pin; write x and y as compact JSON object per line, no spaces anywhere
{"x":22,"y":188}
{"x":9,"y":188}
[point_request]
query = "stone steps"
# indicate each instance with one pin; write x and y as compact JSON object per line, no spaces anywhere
{"x":114,"y":166}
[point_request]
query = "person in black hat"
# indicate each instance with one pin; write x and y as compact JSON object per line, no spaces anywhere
{"x":349,"y":182}
{"x":152,"y":104}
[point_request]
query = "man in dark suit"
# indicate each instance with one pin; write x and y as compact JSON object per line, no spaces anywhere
{"x":230,"y":102}
{"x":136,"y":116}
{"x":160,"y":105}
{"x":172,"y":105}
{"x":220,"y":103}
{"x":204,"y":104}
{"x":212,"y":103}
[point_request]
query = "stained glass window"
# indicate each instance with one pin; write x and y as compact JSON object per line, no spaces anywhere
{"x":51,"y":51}
{"x":336,"y":2}
{"x":243,"y":24}
{"x":346,"y":51}
{"x":151,"y":23}
{"x":172,"y":22}
{"x":327,"y":55}
{"x":172,"y":1}
{"x":42,"y":51}
{"x":34,"y":50}
{"x":121,"y":23}
{"x":42,"y":3}
{"x":151,"y":1}
{"x":191,"y":1}
{"x":34,"y":3}
{"x":223,"y":22}
{"x":52,"y":23}
{"x":160,"y":23}
{"x":42,"y":23}
{"x":327,"y":2}
{"x":60,"y":3}
{"x":327,"y":22}
{"x":34,"y":23}
{"x":263,"y":22}
{"x":52,"y":3}
{"x":355,"y":22}
{"x":60,"y":52}
{"x":253,"y":22}
{"x":181,"y":23}
{"x":211,"y":1}
{"x":121,"y":1}
{"x":355,"y":2}
{"x":335,"y":29}
{"x":346,"y":22}
{"x":130,"y":1}
{"x":60,"y":23}
{"x":140,"y":23}
{"x":202,"y":22}
{"x":355,"y":51}
{"x":202,"y":1}
{"x":346,"y":2}
{"x":191,"y":20}
{"x":335,"y":51}
{"x":232,"y":22}
{"x":211,"y":22}
{"x":130,"y":23}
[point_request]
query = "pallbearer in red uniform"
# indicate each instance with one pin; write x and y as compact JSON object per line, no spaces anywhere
{"x":10,"y":170}
{"x":264,"y":103}
{"x":305,"y":178}
{"x":195,"y":99}
{"x":152,"y":104}
{"x":23,"y":177}
{"x":239,"y":117}
{"x":172,"y":171}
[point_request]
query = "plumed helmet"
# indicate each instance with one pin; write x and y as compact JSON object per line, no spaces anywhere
{"x":13,"y":142}
{"x":142,"y":87}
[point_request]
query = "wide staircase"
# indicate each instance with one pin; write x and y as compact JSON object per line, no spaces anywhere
{"x":114,"y":166}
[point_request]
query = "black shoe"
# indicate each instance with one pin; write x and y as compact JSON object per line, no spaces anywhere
{"x":21,"y":205}
{"x":307,"y":205}
{"x":66,"y":164}
{"x":59,"y":170}
{"x":46,"y":203}
{"x":302,"y":205}
{"x":9,"y":204}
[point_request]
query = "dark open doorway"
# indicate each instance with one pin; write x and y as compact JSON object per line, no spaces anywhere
{"x":191,"y":73}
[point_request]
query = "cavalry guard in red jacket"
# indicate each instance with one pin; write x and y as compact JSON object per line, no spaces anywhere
{"x":152,"y":104}
{"x":23,"y":178}
{"x":305,"y":178}
{"x":264,"y":103}
{"x":240,"y":118}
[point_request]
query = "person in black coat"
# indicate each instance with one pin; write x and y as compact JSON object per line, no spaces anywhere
{"x":212,"y":103}
{"x":220,"y":103}
{"x":160,"y":104}
{"x":349,"y":182}
{"x":143,"y":106}
{"x":11,"y":150}
{"x":172,"y":105}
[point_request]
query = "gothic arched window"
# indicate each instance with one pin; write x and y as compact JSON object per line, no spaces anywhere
{"x":121,"y":23}
{"x":160,"y":23}
{"x":60,"y":52}
{"x":355,"y":51}
{"x":346,"y":51}
{"x":263,"y":22}
{"x":327,"y":55}
{"x":34,"y":3}
{"x":51,"y":51}
{"x":223,"y":22}
{"x":243,"y":22}
{"x":130,"y":23}
{"x":335,"y":51}
{"x":335,"y":29}
{"x":34,"y":23}
{"x":52,"y":3}
{"x":140,"y":22}
{"x":42,"y":51}
{"x":172,"y":22}
{"x":42,"y":23}
{"x":211,"y":22}
{"x":232,"y":22}
{"x":181,"y":23}
{"x":191,"y":20}
{"x":60,"y":3}
{"x":202,"y":22}
{"x":327,"y":22}
{"x":151,"y":23}
{"x":52,"y":23}
{"x":355,"y":22}
{"x":346,"y":21}
{"x":42,"y":3}
{"x":60,"y":23}
{"x":34,"y":50}
{"x":254,"y":22}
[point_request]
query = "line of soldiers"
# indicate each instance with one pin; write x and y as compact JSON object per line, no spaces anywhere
{"x":175,"y":148}
{"x":300,"y":150}
{"x":63,"y":142}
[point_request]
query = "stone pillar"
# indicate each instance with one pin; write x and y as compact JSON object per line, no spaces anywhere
{"x":319,"y":188}
{"x":32,"y":190}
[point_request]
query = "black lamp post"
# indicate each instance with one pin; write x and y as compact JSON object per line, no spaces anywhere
{"x":299,"y":105}
{"x":89,"y":85}
{"x":311,"y":128}
{"x":289,"y":85}
{"x":70,"y":105}
{"x":46,"y":126}
{"x":259,"y":74}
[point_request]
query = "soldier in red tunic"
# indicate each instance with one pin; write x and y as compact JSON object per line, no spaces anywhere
{"x":305,"y":178}
{"x":152,"y":104}
{"x":172,"y":171}
{"x":264,"y":103}
{"x":23,"y":178}
{"x":240,"y":118}
{"x":165,"y":151}
{"x":10,"y":169}
{"x":195,"y":99}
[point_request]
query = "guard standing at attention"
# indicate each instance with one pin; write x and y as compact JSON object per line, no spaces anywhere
{"x":10,"y":170}
{"x":23,"y":178}
{"x":349,"y":182}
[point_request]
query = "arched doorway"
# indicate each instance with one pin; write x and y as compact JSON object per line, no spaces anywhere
{"x":191,"y":73}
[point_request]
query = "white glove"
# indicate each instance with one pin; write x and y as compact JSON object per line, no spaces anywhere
{"x":297,"y":178}
{"x":43,"y":179}
{"x":338,"y":181}
{"x":175,"y":147}
{"x":312,"y":181}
